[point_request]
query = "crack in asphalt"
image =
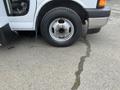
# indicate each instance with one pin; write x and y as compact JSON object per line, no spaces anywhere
{"x":81,"y":65}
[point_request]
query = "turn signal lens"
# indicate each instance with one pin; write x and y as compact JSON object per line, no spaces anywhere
{"x":101,"y":3}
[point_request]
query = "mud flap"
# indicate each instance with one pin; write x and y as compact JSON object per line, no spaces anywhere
{"x":85,"y":29}
{"x":6,"y":35}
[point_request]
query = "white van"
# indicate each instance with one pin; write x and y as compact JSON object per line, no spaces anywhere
{"x":60,"y":22}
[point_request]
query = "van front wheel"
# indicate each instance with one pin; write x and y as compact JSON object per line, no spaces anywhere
{"x":61,"y":27}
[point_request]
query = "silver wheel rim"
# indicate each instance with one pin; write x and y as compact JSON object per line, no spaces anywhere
{"x":61,"y":29}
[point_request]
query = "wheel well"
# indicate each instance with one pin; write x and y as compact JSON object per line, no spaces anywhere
{"x":65,"y":3}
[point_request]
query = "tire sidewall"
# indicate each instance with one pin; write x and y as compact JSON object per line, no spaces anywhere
{"x":58,"y":13}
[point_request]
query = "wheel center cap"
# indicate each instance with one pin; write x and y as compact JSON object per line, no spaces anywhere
{"x":61,"y":30}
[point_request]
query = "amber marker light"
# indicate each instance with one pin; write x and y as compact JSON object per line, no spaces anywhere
{"x":101,"y":3}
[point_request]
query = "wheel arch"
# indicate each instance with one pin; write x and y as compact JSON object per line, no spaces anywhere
{"x":48,"y":5}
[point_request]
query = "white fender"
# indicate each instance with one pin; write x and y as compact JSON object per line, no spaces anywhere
{"x":41,"y":3}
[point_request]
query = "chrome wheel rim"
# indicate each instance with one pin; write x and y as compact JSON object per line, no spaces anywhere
{"x":61,"y":29}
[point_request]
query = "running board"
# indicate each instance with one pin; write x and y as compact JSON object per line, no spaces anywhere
{"x":6,"y":35}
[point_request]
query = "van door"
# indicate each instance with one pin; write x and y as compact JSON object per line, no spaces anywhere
{"x":21,"y":14}
{"x":3,"y":15}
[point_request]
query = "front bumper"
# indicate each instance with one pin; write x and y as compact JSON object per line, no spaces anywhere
{"x":98,"y":17}
{"x":97,"y":22}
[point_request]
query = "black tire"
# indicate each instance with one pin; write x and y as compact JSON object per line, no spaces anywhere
{"x":93,"y":31}
{"x":58,"y":13}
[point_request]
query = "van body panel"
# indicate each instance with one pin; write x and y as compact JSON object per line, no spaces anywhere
{"x":28,"y":22}
{"x":3,"y":15}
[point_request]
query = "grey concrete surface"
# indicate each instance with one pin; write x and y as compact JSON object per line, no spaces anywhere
{"x":35,"y":65}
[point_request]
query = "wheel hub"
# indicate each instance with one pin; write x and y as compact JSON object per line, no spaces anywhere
{"x":61,"y":29}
